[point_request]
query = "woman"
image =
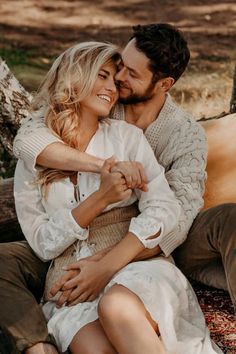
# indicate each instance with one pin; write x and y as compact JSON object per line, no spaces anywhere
{"x":56,"y":208}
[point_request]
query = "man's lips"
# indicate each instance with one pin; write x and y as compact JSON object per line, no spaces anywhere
{"x":121,"y":86}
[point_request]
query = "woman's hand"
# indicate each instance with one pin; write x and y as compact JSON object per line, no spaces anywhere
{"x":91,"y":279}
{"x":113,"y":187}
{"x":70,"y":275}
{"x":133,"y":173}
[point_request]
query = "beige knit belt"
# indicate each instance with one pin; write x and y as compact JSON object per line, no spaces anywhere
{"x":110,"y":227}
{"x":114,"y":216}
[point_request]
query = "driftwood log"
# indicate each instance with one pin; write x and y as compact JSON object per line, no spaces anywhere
{"x":9,"y":227}
{"x":14,"y":103}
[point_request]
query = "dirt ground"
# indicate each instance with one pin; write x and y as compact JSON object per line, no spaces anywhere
{"x":35,"y":31}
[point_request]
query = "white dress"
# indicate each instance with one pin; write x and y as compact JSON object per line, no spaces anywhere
{"x":50,"y":228}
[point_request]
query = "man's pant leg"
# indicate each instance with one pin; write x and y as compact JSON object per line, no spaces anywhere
{"x":22,"y":277}
{"x":209,"y":253}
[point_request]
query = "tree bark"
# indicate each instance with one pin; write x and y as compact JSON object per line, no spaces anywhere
{"x":14,"y":104}
{"x":9,"y":227}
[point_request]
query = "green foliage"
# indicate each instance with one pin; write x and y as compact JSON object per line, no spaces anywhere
{"x":14,"y":57}
{"x":21,"y":57}
{"x":29,"y":67}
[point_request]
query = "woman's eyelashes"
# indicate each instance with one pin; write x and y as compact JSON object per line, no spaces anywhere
{"x":103,"y":76}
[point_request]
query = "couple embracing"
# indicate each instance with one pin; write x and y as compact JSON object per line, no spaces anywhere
{"x":118,"y":218}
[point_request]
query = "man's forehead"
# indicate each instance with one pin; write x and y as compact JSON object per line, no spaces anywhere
{"x":134,"y":58}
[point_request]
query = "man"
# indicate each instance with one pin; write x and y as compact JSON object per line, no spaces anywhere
{"x":153,"y":60}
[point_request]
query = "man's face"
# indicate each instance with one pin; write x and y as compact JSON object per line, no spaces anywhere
{"x":134,"y":77}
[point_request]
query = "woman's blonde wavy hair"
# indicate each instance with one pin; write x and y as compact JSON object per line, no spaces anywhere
{"x":70,"y":79}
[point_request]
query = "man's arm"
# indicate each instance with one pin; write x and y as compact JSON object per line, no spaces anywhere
{"x":186,"y":177}
{"x":62,"y":157}
{"x":36,"y":145}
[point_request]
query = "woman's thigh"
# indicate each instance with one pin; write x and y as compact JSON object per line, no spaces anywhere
{"x":91,"y":339}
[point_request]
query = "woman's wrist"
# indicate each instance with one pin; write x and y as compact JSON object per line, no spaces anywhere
{"x":89,"y":209}
{"x":122,"y":253}
{"x":102,"y":198}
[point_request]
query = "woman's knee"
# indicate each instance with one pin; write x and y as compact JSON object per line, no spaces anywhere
{"x":119,"y":304}
{"x":121,"y":308}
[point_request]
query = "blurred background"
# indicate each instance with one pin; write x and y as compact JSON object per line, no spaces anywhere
{"x":34,"y":32}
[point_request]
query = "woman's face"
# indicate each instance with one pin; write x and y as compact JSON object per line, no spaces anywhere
{"x":104,"y":93}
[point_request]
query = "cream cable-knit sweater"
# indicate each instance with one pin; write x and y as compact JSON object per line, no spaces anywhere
{"x":178,"y":142}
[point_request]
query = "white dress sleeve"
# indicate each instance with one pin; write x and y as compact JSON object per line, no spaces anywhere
{"x":48,"y":235}
{"x":159,"y":207}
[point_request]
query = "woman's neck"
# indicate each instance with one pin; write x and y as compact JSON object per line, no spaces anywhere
{"x":87,"y":128}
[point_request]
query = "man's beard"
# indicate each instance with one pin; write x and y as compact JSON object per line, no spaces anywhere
{"x":136,"y":98}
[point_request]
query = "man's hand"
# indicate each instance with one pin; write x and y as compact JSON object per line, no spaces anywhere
{"x":113,"y":187}
{"x":133,"y":173}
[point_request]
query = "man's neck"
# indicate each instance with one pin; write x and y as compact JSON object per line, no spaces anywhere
{"x":143,"y":114}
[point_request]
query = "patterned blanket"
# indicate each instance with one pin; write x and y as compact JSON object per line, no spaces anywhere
{"x":219,"y":315}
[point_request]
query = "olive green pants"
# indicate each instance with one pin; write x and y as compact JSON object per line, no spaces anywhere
{"x":209,"y":253}
{"x":22,"y":277}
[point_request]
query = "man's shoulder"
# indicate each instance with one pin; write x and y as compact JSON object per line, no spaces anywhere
{"x":183,"y":120}
{"x":117,"y":112}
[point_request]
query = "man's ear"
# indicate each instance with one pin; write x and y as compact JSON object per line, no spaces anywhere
{"x":166,"y":83}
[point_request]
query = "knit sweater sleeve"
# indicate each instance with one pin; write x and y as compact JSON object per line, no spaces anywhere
{"x":32,"y":138}
{"x":186,"y":176}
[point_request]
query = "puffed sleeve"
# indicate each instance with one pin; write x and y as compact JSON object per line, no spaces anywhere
{"x":48,"y":235}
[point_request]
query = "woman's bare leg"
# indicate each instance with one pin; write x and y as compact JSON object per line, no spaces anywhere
{"x":91,"y":339}
{"x":127,"y":323}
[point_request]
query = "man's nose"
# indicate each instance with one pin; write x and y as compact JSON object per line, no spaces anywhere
{"x":120,"y":75}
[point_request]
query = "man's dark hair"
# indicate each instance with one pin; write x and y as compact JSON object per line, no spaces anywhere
{"x":166,"y":48}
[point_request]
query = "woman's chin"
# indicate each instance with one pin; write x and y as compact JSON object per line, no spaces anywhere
{"x":104,"y":112}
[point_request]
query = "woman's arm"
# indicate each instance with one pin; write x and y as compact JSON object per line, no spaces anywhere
{"x":50,"y":235}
